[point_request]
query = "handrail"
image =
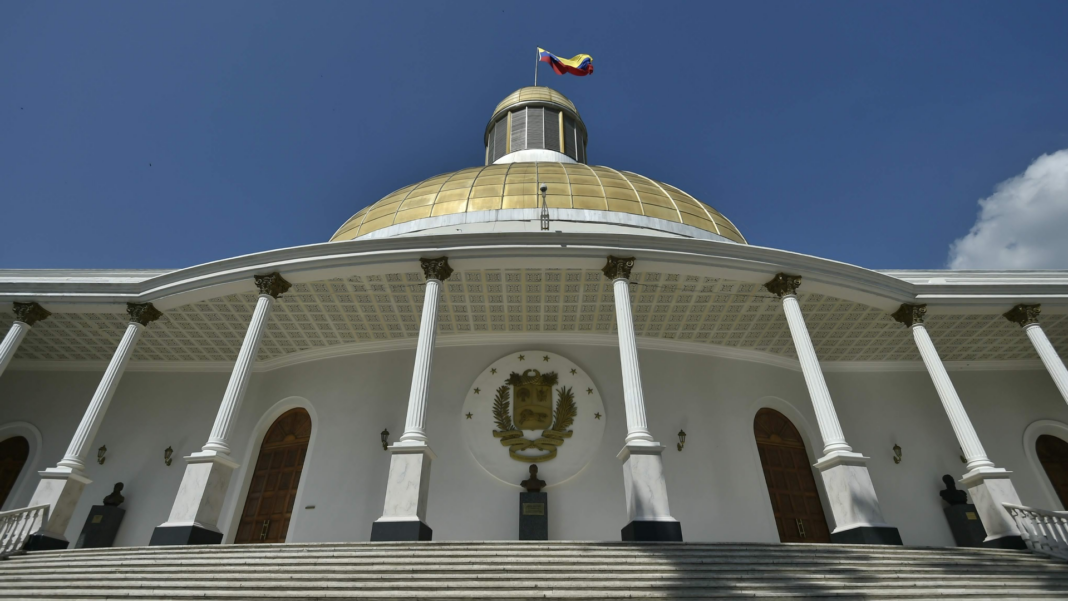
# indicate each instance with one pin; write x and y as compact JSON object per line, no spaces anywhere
{"x":17,"y":525}
{"x":1043,"y":531}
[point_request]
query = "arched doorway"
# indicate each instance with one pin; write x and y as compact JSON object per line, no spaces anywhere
{"x":13,"y":454}
{"x":1053,"y":454}
{"x":273,"y":490}
{"x":794,"y":498}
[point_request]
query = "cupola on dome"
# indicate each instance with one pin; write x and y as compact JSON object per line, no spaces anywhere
{"x":536,"y":163}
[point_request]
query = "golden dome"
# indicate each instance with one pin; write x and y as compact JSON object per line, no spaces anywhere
{"x":515,"y":186}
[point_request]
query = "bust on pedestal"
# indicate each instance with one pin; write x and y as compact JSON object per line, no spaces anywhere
{"x":103,"y":522}
{"x":963,"y":518}
{"x":533,"y":508}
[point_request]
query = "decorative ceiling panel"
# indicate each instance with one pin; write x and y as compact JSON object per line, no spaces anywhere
{"x":364,"y":309}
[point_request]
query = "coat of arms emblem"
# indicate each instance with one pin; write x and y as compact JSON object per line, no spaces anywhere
{"x":532,"y":392}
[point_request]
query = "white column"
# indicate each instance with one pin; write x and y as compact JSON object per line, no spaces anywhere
{"x":644,"y":484}
{"x":408,"y":487}
{"x":415,"y":422}
{"x":988,"y":485}
{"x":858,"y":517}
{"x":195,"y":514}
{"x":219,"y":440}
{"x":26,"y":314}
{"x":1026,"y":316}
{"x":61,"y":486}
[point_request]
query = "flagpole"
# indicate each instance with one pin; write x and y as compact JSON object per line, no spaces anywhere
{"x":537,"y":59}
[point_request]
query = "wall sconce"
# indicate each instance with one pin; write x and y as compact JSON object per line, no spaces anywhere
{"x":897,"y":454}
{"x":100,"y":454}
{"x":167,"y":455}
{"x":385,"y":439}
{"x":682,"y":440}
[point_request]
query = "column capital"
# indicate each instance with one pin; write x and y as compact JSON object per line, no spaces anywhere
{"x":783,"y":284}
{"x":143,"y":313}
{"x":436,"y":269}
{"x":910,"y":315}
{"x":30,"y":313}
{"x":272,"y":284}
{"x":1023,"y":315}
{"x":618,"y":267}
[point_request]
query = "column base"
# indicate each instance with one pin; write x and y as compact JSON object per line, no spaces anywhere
{"x":990,"y":488}
{"x":43,"y":542}
{"x":165,"y":536}
{"x":867,"y":535}
{"x":638,"y":531}
{"x":60,"y":488}
{"x":1005,"y":542}
{"x":400,"y":531}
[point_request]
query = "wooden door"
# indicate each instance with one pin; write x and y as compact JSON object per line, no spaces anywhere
{"x":794,"y":498}
{"x":273,"y":491}
{"x":13,"y":454}
{"x":1053,"y":453}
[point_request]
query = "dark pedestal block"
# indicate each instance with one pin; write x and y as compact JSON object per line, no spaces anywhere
{"x":400,"y":531}
{"x":40,"y":542}
{"x":966,"y":526}
{"x":164,"y":536}
{"x":100,"y":527}
{"x":867,"y":535}
{"x":533,"y":516}
{"x":1006,"y":542}
{"x":653,"y":531}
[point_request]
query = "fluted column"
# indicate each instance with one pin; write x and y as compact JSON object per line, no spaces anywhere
{"x":435,"y":271}
{"x":989,"y":486}
{"x":26,"y":314}
{"x":408,"y":487}
{"x":644,"y":484}
{"x":1026,"y":316}
{"x":618,"y":271}
{"x":857,"y":515}
{"x":194,"y":516}
{"x":61,"y":487}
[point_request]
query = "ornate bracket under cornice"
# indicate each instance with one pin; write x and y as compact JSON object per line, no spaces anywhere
{"x":30,"y":313}
{"x":618,"y":267}
{"x":436,"y":269}
{"x":1023,"y":315}
{"x":143,"y":313}
{"x":910,"y":314}
{"x":272,"y":284}
{"x":783,"y":284}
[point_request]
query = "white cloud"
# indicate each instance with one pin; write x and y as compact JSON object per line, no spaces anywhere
{"x":1024,"y":224}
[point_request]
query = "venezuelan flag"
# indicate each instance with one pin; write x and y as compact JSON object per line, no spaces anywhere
{"x":577,"y":65}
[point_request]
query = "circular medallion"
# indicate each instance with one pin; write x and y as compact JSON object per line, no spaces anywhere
{"x":533,"y":407}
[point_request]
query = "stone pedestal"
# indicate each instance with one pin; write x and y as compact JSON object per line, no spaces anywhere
{"x":989,"y":488}
{"x":101,"y":527}
{"x":533,"y":516}
{"x":646,"y":494}
{"x":965,"y":525}
{"x":60,"y":488}
{"x":857,"y":516}
{"x":195,"y":515}
{"x":404,"y":514}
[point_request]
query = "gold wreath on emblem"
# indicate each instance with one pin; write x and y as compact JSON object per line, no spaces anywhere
{"x":533,"y":396}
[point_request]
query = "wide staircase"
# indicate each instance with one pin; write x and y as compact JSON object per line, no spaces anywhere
{"x":515,"y":570}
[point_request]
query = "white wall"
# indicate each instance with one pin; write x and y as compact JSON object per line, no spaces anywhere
{"x":716,"y":486}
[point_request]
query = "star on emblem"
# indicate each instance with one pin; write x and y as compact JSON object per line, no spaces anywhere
{"x":493,"y":370}
{"x":595,"y":415}
{"x":522,"y":357}
{"x":589,"y":391}
{"x":469,"y":414}
{"x":478,"y":390}
{"x":545,"y":358}
{"x":574,"y":371}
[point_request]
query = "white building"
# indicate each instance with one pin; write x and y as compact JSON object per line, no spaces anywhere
{"x":535,"y":309}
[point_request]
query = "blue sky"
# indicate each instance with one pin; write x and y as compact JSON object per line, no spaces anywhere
{"x":157,"y":134}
